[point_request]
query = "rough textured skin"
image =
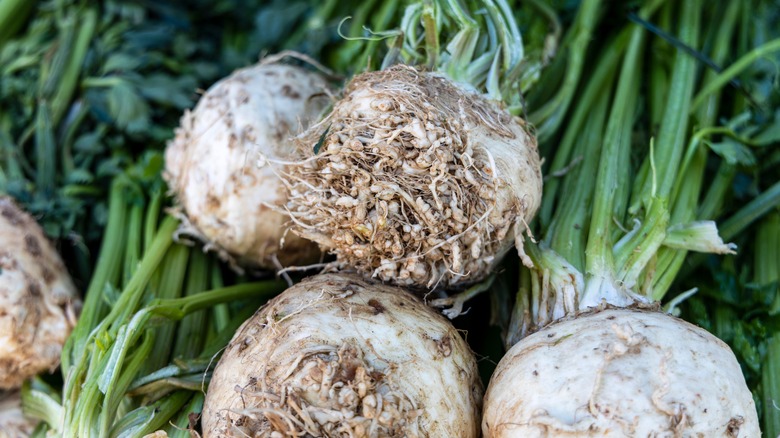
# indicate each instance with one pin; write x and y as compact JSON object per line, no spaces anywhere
{"x":211,"y":164}
{"x":13,"y":423}
{"x":340,"y":356}
{"x":417,"y":181}
{"x":619,"y":373}
{"x":38,"y":302}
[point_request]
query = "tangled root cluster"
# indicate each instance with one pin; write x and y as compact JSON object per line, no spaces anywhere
{"x":415,"y":180}
{"x":331,"y":392}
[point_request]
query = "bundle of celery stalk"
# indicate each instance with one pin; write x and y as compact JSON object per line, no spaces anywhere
{"x":673,"y":124}
{"x":156,"y":313}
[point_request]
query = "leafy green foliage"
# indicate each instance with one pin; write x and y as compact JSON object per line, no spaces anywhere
{"x":85,"y":87}
{"x":737,"y":310}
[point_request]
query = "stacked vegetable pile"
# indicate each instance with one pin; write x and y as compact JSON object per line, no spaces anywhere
{"x":551,"y":175}
{"x":408,"y":179}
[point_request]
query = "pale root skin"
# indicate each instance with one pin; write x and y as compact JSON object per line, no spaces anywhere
{"x":619,"y":373}
{"x":13,"y":423}
{"x":416,"y":180}
{"x":340,"y":356}
{"x":212,"y":163}
{"x":38,"y":301}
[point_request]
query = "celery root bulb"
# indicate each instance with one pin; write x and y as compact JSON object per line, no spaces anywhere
{"x":340,"y":356}
{"x":415,"y":180}
{"x":211,"y":164}
{"x":38,"y":301}
{"x":13,"y":422}
{"x":619,"y":373}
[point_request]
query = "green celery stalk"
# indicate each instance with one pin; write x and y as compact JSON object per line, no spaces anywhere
{"x":627,"y":244}
{"x":767,"y":257}
{"x":659,"y":75}
{"x":152,"y":218}
{"x":45,"y":150}
{"x":115,"y":391}
{"x":550,"y":116}
{"x":170,"y":285}
{"x":759,"y":206}
{"x":671,"y":137}
{"x":98,"y":358}
{"x":181,"y":425}
{"x":379,"y":23}
{"x":344,"y":57}
{"x":190,"y":333}
{"x":770,"y":385}
{"x":178,"y":308}
{"x":716,"y":194}
{"x":568,"y":231}
{"x":133,"y":242}
{"x":13,"y":15}
{"x":40,"y":401}
{"x":735,"y":69}
{"x":148,"y":419}
{"x":134,"y":290}
{"x":563,"y":158}
{"x":222,"y":337}
{"x":221,"y":313}
{"x":599,"y":262}
{"x":107,"y":272}
{"x":690,"y":178}
{"x":86,"y":22}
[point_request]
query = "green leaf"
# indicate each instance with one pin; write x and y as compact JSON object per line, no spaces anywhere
{"x":153,"y":165}
{"x":110,"y":294}
{"x":178,"y":92}
{"x":701,"y":236}
{"x":745,"y":348}
{"x":733,"y":152}
{"x":771,"y":134}
{"x":79,"y":176}
{"x":120,"y":62}
{"x":126,"y":107}
{"x":276,"y":20}
{"x":89,"y":142}
{"x":321,"y":141}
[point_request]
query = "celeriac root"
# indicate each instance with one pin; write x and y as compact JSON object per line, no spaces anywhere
{"x":340,"y":356}
{"x":415,"y":180}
